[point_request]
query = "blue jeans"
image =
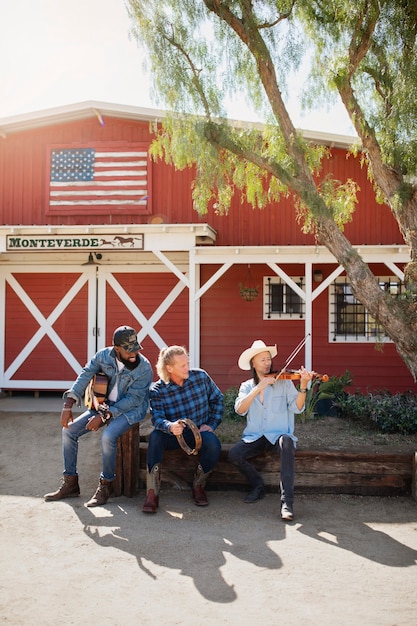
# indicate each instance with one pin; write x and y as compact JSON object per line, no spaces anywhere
{"x":159,"y":442}
{"x":76,"y":429}
{"x":242,"y":451}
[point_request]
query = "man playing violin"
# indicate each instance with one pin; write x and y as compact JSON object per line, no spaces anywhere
{"x":269,"y":403}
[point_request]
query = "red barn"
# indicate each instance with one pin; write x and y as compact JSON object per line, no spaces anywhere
{"x":93,"y":234}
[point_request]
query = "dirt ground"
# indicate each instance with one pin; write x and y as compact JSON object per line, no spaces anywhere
{"x":344,"y":560}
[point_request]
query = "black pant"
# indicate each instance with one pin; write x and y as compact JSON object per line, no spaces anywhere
{"x":242,"y":451}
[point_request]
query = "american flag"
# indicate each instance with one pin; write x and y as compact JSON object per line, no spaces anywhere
{"x":88,"y":178}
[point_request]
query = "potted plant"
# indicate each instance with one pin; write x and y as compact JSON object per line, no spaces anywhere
{"x":321,"y":397}
{"x":329,"y":392}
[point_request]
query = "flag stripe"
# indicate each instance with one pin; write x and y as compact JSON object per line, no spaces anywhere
{"x":86,"y":203}
{"x":91,"y":177}
{"x":101,"y":183}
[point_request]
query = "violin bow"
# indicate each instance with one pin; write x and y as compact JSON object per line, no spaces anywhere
{"x":293,"y":354}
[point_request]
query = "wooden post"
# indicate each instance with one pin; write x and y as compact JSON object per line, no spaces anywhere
{"x":127,"y":464}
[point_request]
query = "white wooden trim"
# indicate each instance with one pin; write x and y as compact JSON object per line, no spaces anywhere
{"x":185,"y":264}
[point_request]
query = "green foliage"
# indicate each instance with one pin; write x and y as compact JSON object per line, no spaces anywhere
{"x":205,"y":54}
{"x":310,"y":403}
{"x":333,"y":389}
{"x":370,"y":46}
{"x":335,"y":386}
{"x":199,"y":62}
{"x":229,"y":397}
{"x":385,"y":412}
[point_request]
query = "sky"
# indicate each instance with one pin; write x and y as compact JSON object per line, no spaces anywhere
{"x":61,"y":52}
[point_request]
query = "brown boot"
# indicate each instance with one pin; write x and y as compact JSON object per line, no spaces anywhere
{"x":153,"y":481}
{"x":68,"y":489}
{"x":199,"y":483}
{"x":102,"y":493}
{"x":151,"y":503}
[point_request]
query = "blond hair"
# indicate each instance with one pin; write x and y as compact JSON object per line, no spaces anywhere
{"x":166,"y":357}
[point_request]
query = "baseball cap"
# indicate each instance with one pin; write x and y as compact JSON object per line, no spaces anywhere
{"x":125,"y":337}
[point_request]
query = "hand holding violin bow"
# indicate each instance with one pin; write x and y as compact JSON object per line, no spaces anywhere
{"x":301,"y":374}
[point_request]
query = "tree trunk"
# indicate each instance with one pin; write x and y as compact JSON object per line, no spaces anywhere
{"x":397,"y":317}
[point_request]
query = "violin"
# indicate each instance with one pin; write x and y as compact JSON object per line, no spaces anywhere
{"x":286,"y":374}
{"x":296,"y":375}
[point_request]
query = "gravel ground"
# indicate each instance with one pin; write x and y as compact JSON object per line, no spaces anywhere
{"x":344,"y":560}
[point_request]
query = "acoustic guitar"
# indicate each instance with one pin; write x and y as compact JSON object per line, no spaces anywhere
{"x":96,"y":392}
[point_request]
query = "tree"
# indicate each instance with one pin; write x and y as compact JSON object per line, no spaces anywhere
{"x":203,"y":51}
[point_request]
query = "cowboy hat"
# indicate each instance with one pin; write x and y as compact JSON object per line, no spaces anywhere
{"x":257,"y":347}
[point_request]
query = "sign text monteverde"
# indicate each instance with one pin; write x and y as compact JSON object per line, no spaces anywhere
{"x":68,"y":242}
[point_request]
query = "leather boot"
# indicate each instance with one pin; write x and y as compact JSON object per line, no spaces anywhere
{"x":199,"y":483}
{"x":153,"y":481}
{"x":102,"y":493}
{"x":69,"y":489}
{"x":255,"y":494}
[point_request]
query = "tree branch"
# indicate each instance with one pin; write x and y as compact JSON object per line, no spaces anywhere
{"x":195,"y":72}
{"x":248,"y":32}
{"x":360,"y":44}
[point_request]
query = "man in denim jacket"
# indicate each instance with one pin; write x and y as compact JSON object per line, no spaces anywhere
{"x":129,"y":377}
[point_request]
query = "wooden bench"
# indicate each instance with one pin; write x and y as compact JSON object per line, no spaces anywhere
{"x":320,"y":471}
{"x":316,"y":472}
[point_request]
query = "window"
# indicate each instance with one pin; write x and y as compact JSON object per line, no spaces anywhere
{"x":349,"y":320}
{"x":280,"y":299}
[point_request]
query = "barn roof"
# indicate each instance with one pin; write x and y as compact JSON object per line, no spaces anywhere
{"x":92,"y":108}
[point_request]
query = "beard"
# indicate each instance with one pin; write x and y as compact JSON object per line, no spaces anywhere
{"x":129,"y":364}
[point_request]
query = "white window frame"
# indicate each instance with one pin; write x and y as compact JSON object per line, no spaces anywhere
{"x":372,"y":334}
{"x":285,"y":314}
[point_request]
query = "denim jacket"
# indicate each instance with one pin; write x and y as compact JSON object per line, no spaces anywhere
{"x":132,"y":385}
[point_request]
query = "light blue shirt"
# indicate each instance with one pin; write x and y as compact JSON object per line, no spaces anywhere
{"x":275,"y":416}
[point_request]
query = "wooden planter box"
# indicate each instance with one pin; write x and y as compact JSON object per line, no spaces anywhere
{"x":320,"y":471}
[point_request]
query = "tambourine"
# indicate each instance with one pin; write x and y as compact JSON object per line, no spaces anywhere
{"x":197,"y":437}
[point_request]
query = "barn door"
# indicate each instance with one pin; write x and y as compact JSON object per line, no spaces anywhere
{"x":48,"y":319}
{"x":54,"y":319}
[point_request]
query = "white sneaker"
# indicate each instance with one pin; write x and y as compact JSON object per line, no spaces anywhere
{"x":286,"y":512}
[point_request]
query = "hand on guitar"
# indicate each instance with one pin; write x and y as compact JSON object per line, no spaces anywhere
{"x":66,"y":413}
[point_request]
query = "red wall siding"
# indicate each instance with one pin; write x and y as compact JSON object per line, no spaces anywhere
{"x":372,"y":367}
{"x":230,"y":324}
{"x":23,"y":199}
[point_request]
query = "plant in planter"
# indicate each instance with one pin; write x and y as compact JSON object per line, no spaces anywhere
{"x":229,"y":398}
{"x":330,"y":392}
{"x":248,"y":293}
{"x":321,"y":397}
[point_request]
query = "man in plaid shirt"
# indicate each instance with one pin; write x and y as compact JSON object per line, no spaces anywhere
{"x":182,"y":393}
